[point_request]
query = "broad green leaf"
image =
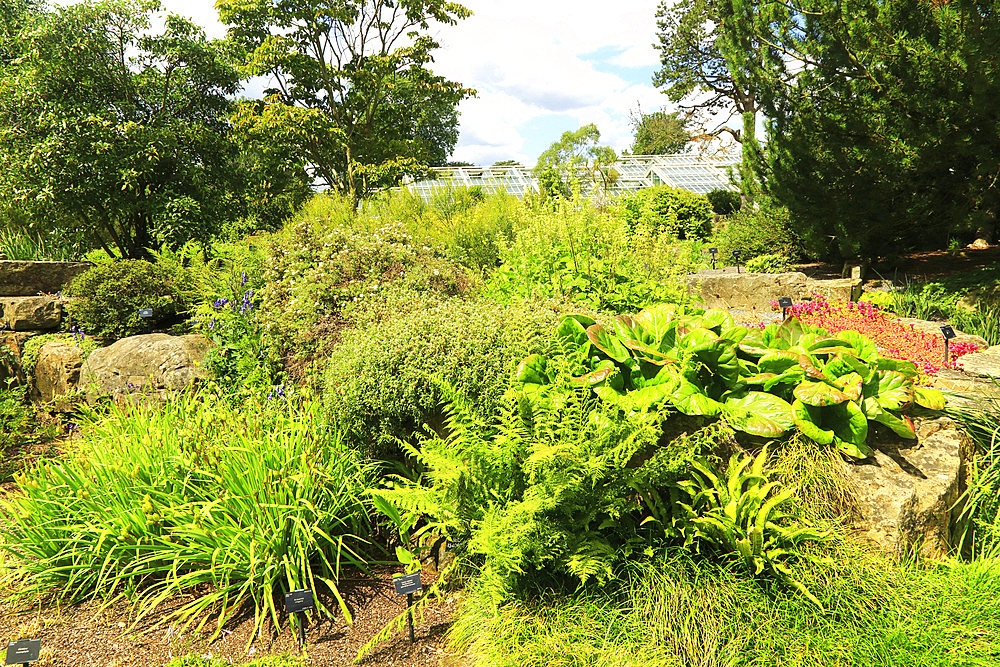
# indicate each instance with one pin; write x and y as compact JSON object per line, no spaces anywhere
{"x":717,"y":320}
{"x":929,"y":398}
{"x":572,"y":329}
{"x":844,"y":363}
{"x":865,"y":348}
{"x":656,"y":321}
{"x":532,"y":370}
{"x":852,"y":449}
{"x":778,"y":362}
{"x":851,"y":385}
{"x":895,"y":391}
{"x":692,"y":400}
{"x":761,"y":414}
{"x":607,"y":343}
{"x":627,"y":329}
{"x":907,"y":368}
{"x":735,"y":334}
{"x":600,"y":374}
{"x":790,"y":331}
{"x":819,"y":393}
{"x":809,"y":419}
{"x":848,"y":422}
{"x":903,"y":427}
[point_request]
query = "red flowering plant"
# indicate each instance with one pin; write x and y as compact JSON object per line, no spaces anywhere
{"x":893,"y":339}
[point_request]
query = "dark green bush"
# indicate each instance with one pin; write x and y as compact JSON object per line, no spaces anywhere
{"x":724,"y":202}
{"x":763,"y":231}
{"x":376,"y":383}
{"x":107,"y":297}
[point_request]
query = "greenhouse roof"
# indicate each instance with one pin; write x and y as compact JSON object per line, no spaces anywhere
{"x":686,"y":171}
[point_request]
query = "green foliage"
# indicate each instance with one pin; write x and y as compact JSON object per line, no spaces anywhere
{"x":16,"y":422}
{"x":980,"y":517}
{"x":763,"y":382}
{"x":588,"y":256}
{"x":354,"y":97}
{"x":761,"y":231}
{"x":659,"y":132}
{"x":724,"y":202}
{"x":686,"y":611}
{"x":450,"y":201}
{"x":19,"y":243}
{"x":84,"y":148}
{"x":33,"y":347}
{"x":740,"y":515}
{"x":770,"y":263}
{"x":681,"y":213}
{"x":862,"y":176}
{"x":242,"y":503}
{"x":377,"y":387}
{"x":320,"y":269}
{"x":107,"y":297}
{"x":576,"y":163}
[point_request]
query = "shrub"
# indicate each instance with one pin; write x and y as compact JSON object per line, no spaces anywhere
{"x":724,"y":201}
{"x":770,"y":263}
{"x":242,"y":504}
{"x":107,"y":297}
{"x":682,"y":213}
{"x":757,"y":232}
{"x":377,"y":385}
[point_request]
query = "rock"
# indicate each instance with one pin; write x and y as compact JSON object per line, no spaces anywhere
{"x":11,"y":350}
{"x":30,"y":313}
{"x":979,"y":244}
{"x":906,"y":494}
{"x":152,"y":364}
{"x":57,"y":372}
{"x":985,"y":363}
{"x":724,"y":288}
{"x":934,"y":328}
{"x":19,"y":278}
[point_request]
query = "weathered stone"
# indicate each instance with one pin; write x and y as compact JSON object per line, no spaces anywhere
{"x":11,"y":351}
{"x":30,"y":313}
{"x":906,"y":494}
{"x":57,"y":372}
{"x":934,"y":329}
{"x":151,"y":364}
{"x":984,"y":364}
{"x":33,"y":278}
{"x":727,"y":289}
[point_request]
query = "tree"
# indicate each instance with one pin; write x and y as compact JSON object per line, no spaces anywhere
{"x":888,"y":138}
{"x":576,"y":161}
{"x":705,"y":56}
{"x":15,"y":16}
{"x":354,"y":94}
{"x":659,"y":133}
{"x":117,"y":132}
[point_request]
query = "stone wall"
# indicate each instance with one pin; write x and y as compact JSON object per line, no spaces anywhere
{"x":30,"y":304}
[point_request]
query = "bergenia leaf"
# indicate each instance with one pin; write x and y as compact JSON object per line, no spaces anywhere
{"x":607,"y":343}
{"x":532,"y":370}
{"x":929,"y":398}
{"x":692,"y":400}
{"x":895,"y":391}
{"x":761,"y":414}
{"x":572,"y":329}
{"x":809,"y":419}
{"x":819,"y":393}
{"x":656,"y":321}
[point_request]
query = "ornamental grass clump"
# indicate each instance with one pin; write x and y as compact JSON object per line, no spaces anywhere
{"x":242,"y":504}
{"x":894,"y":339}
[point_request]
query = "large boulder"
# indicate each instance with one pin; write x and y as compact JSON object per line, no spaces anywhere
{"x":907,"y":493}
{"x":30,"y":313}
{"x":57,"y":371}
{"x":19,"y":278}
{"x":151,"y":364}
{"x":754,"y":292}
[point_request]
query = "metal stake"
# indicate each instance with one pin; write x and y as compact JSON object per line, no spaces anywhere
{"x":409,"y":616}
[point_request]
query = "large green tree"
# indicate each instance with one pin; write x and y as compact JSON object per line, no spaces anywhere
{"x":659,"y":133}
{"x":707,"y":56}
{"x":889,"y":137}
{"x":353,"y":92}
{"x":117,"y":132}
{"x":576,"y":161}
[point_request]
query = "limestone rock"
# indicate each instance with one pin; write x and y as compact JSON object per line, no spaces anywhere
{"x":57,"y":372}
{"x":30,"y":313}
{"x":729,"y":290}
{"x":985,"y":363}
{"x":906,"y":493}
{"x":152,"y":364}
{"x":19,"y":278}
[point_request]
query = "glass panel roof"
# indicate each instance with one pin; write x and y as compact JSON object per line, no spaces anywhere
{"x":687,"y":171}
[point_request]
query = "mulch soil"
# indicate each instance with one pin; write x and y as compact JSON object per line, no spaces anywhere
{"x":88,"y":634}
{"x":916,"y":267}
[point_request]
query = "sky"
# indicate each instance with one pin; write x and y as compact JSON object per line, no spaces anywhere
{"x":541,"y":67}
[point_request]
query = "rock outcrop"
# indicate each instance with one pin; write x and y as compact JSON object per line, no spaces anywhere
{"x":33,"y":278}
{"x":907,"y":494}
{"x":30,"y":313}
{"x":57,"y":371}
{"x":729,"y":290}
{"x":150,"y":364}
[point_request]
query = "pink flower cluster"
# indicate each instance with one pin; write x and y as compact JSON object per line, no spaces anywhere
{"x":893,"y":339}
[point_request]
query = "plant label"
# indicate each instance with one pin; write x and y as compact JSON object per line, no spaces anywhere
{"x":785,"y":302}
{"x":22,"y":652}
{"x":454,"y":545}
{"x":948,"y":332}
{"x":146,"y":313}
{"x":297,"y":601}
{"x":713,"y":251}
{"x":407,"y":584}
{"x":737,"y":254}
